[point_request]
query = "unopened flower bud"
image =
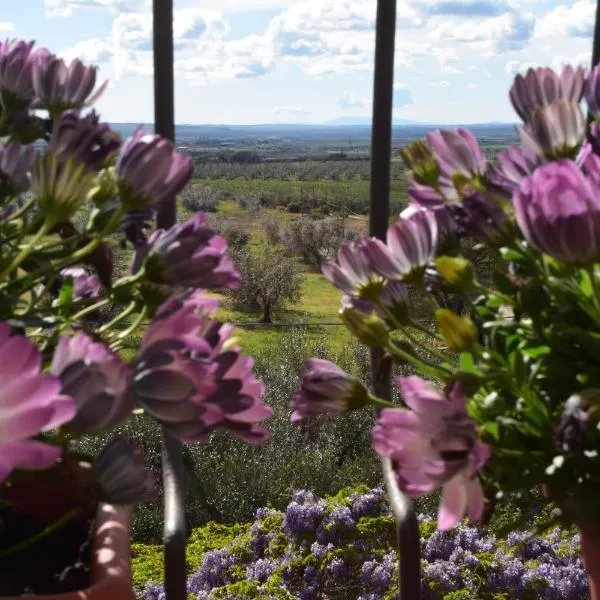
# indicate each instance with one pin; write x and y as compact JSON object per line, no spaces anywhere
{"x":121,"y":473}
{"x":455,"y":271}
{"x":458,"y":332}
{"x":368,"y":329}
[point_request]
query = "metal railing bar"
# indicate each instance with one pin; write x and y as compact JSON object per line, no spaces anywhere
{"x":381,"y":145}
{"x":172,"y":457}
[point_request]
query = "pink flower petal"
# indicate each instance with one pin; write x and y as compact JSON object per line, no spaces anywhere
{"x":5,"y":466}
{"x":479,"y":455}
{"x":257,"y":412}
{"x":475,"y":500}
{"x":453,"y":503}
{"x":63,"y":411}
{"x":423,"y":398}
{"x":29,"y":455}
{"x":19,"y":358}
{"x":39,"y":390}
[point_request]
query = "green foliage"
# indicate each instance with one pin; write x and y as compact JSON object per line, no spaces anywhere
{"x":200,"y":198}
{"x":316,"y":240}
{"x":146,"y":564}
{"x":227,"y":480}
{"x":349,"y":196}
{"x":372,"y":539}
{"x":269,"y":279}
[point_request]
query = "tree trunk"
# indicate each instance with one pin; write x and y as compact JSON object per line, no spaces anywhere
{"x":267,"y":313}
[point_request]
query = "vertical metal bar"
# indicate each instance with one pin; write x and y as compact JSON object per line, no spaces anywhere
{"x":381,"y":146}
{"x":174,"y":531}
{"x":172,"y":458}
{"x":596,"y":43}
{"x":595,"y":61}
{"x":381,"y":133}
{"x":164,"y":94}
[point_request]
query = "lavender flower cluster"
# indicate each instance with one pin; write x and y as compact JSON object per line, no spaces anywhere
{"x":344,"y":547}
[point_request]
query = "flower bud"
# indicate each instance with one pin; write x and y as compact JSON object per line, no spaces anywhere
{"x":60,"y":87}
{"x":191,"y":255}
{"x":368,"y":329}
{"x":455,"y":271}
{"x":325,"y":388}
{"x":121,"y":473}
{"x":61,"y":188}
{"x":17,"y":63}
{"x":459,"y":333}
{"x":555,"y":131}
{"x":150,"y":170}
{"x":96,"y":379}
{"x":558,"y":211}
{"x":420,"y":160}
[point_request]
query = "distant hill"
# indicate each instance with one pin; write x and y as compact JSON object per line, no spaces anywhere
{"x":366,"y":121}
{"x":343,"y":128}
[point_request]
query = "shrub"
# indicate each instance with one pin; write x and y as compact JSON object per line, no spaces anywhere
{"x":227,"y":481}
{"x":345,"y":547}
{"x":199,"y":197}
{"x":236,"y":238}
{"x":271,"y":227}
{"x":315,"y":240}
{"x":269,"y":278}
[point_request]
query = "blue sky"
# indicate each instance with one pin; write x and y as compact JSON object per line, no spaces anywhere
{"x":266,"y":61}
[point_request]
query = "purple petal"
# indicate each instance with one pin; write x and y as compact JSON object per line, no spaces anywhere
{"x":423,"y":398}
{"x":453,"y":503}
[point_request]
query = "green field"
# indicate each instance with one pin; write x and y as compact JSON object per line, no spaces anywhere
{"x":339,"y":195}
{"x":320,"y":301}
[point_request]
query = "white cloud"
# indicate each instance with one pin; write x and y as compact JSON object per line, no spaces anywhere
{"x":472,"y":86}
{"x":462,"y":8}
{"x":575,"y":20}
{"x":583,"y":59}
{"x":65,"y":8}
{"x":440,"y":84}
{"x":93,"y":50}
{"x":201,"y":52}
{"x":490,"y":35}
{"x":512,"y":67}
{"x":292,"y":111}
{"x":7,"y":26}
{"x":349,"y":101}
{"x":450,"y":70}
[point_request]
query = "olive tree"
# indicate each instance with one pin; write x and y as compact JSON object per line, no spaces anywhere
{"x":269,"y":278}
{"x":315,"y":240}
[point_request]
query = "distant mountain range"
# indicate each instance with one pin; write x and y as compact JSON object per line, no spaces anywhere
{"x":345,"y":125}
{"x":342,"y":121}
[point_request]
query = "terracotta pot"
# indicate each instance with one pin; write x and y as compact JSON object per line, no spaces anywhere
{"x":590,"y":554}
{"x":111,"y":568}
{"x":590,"y":550}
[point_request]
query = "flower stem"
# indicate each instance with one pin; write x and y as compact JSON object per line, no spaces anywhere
{"x":422,"y":364}
{"x":42,"y":534}
{"x":73,"y":259}
{"x":428,"y":349}
{"x":379,"y":402}
{"x":21,"y":210}
{"x":132,"y":306}
{"x":595,"y":290}
{"x":138,"y":321}
{"x":90,"y":309}
{"x":28,"y":249}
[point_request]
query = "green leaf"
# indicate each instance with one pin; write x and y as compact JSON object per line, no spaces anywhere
{"x":466,"y":362}
{"x":502,"y":283}
{"x":536,"y":351}
{"x":65,"y":296}
{"x":509,"y":254}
